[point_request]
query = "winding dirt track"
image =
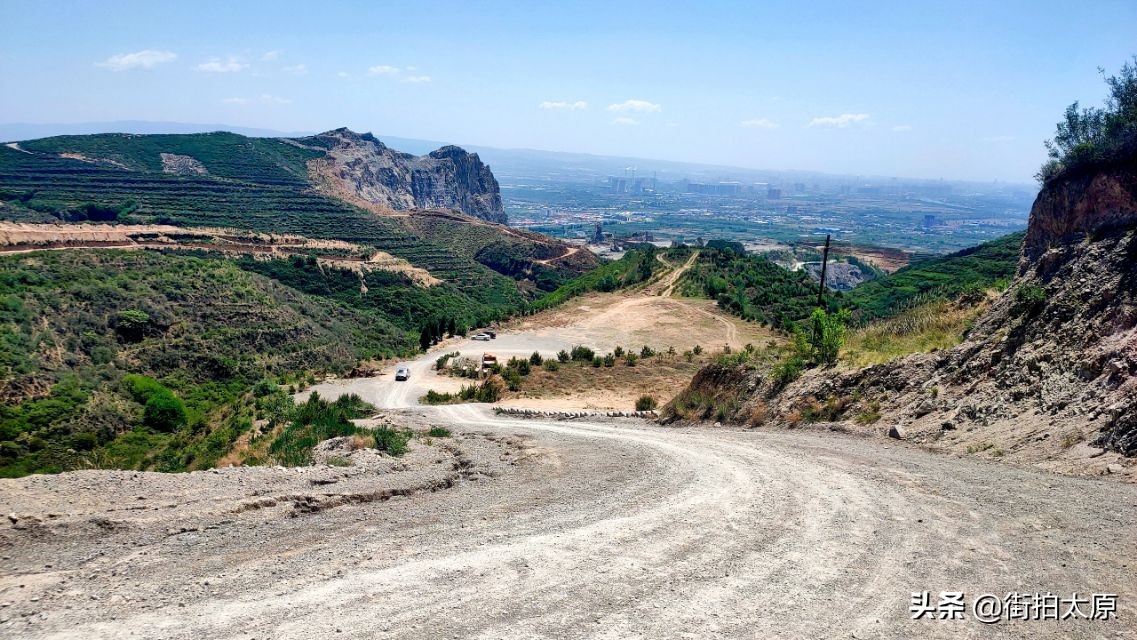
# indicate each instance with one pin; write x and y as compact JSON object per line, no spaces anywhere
{"x":624,"y":530}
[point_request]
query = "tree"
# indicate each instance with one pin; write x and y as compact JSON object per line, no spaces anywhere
{"x":1090,"y":136}
{"x":826,"y":335}
{"x":131,"y":324}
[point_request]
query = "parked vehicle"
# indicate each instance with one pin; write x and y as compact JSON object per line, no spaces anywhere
{"x":402,"y":373}
{"x":484,"y":337}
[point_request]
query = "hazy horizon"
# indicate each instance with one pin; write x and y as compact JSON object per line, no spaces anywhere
{"x":963,"y":91}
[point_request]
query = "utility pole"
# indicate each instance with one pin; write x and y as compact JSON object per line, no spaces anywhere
{"x":824,"y":265}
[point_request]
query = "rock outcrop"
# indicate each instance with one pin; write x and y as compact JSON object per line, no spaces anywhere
{"x":1047,"y":374}
{"x":360,"y":166}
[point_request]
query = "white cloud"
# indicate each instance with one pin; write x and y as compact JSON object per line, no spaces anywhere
{"x":635,"y":106}
{"x":265,"y":98}
{"x":671,"y":125}
{"x":341,"y":74}
{"x":296,"y":69}
{"x":626,"y":121}
{"x":842,"y":121}
{"x":216,"y":65}
{"x":759,"y":123}
{"x":579,"y":105}
{"x":270,"y":56}
{"x":395,"y":72}
{"x":902,"y":127}
{"x":145,"y":59}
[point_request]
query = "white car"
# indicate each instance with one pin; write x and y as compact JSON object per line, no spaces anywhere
{"x":402,"y":373}
{"x":484,"y":337}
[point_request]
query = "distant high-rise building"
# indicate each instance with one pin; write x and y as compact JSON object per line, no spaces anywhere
{"x":773,"y":193}
{"x":929,"y":220}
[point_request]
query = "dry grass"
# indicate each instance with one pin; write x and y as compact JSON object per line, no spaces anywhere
{"x":615,"y":387}
{"x":933,"y":325}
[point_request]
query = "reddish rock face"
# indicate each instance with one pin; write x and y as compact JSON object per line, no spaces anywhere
{"x":1073,"y":208}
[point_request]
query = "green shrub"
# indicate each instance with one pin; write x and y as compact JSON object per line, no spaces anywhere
{"x":609,"y":360}
{"x":132,"y":324}
{"x":597,"y":362}
{"x":646,"y":352}
{"x":788,"y":370}
{"x":438,"y":432}
{"x":645,"y":403}
{"x":630,"y":359}
{"x":582,"y":354}
{"x":563,"y":356}
{"x":1029,"y":299}
{"x":536,"y":359}
{"x":164,"y":412}
{"x":827,"y":335}
{"x":552,"y":365}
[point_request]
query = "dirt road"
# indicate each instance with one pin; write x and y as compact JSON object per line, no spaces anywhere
{"x":605,"y":530}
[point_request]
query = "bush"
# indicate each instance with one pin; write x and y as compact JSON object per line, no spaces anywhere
{"x":582,"y":354}
{"x":630,"y":359}
{"x":563,"y":355}
{"x":132,"y":324}
{"x":391,"y":441}
{"x":645,"y":403}
{"x":609,"y":360}
{"x":536,"y":359}
{"x":646,"y":352}
{"x":1029,"y":299}
{"x":164,"y":412}
{"x":440,"y":363}
{"x":619,"y":352}
{"x":827,"y":334}
{"x":552,"y":365}
{"x":788,"y":370}
{"x":438,"y":432}
{"x":597,"y":362}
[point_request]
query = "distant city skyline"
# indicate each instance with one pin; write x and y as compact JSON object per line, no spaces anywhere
{"x":961,"y":90}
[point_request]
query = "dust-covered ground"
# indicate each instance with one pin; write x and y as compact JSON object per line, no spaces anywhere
{"x":566,"y":529}
{"x":600,"y":321}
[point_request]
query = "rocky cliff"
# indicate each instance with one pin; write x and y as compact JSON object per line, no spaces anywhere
{"x":359,"y":166}
{"x":1048,"y":374}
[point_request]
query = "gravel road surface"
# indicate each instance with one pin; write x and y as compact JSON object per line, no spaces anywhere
{"x":569,"y":529}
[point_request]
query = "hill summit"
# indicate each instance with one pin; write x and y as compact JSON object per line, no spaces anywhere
{"x":361,"y":166}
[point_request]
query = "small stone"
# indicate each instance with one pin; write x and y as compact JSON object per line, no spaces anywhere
{"x":1115,"y":468}
{"x":895,"y":433}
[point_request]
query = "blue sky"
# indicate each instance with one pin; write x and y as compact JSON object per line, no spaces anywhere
{"x":954,"y":90}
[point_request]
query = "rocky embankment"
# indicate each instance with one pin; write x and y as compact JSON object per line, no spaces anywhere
{"x":1048,"y":375}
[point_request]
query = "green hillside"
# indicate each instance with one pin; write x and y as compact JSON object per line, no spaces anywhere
{"x":75,"y":325}
{"x":260,"y":184}
{"x":991,"y":264}
{"x":756,"y":289}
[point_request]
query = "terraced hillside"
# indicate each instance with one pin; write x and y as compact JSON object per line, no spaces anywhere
{"x":260,"y":184}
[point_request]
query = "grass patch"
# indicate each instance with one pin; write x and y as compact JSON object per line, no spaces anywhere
{"x":933,"y":325}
